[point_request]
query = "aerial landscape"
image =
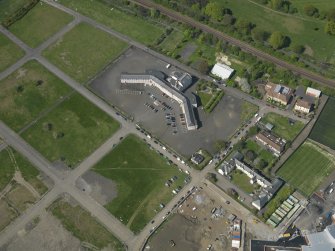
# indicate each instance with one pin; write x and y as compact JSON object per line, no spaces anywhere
{"x":167,"y":125}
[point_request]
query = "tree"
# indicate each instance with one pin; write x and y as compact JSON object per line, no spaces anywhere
{"x":244,"y":85}
{"x":330,"y":27}
{"x":154,"y":13}
{"x":310,"y":10}
{"x":297,"y":48}
{"x":203,"y":66}
{"x":219,"y":144}
{"x":212,"y":177}
{"x":214,"y":10}
{"x":243,"y":26}
{"x":227,"y":19}
{"x":277,"y":40}
{"x":259,"y":35}
{"x":261,"y":164}
{"x":277,"y":4}
{"x":250,"y":155}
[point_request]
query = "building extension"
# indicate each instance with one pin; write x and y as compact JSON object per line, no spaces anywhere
{"x":151,"y":80}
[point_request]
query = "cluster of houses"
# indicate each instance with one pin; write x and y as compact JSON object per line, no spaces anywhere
{"x":269,"y":188}
{"x":272,"y":142}
{"x":284,"y":95}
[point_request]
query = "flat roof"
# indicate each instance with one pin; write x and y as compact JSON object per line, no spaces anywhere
{"x":185,"y":102}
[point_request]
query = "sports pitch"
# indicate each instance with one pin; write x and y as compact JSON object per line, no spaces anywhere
{"x":307,"y":167}
{"x":324,"y":129}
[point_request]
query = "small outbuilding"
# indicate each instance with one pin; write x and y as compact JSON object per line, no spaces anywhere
{"x":222,"y":71}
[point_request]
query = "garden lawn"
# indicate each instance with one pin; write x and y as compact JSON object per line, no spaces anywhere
{"x":324,"y":129}
{"x":140,"y":174}
{"x":84,"y":51}
{"x":9,"y":52}
{"x":71,"y":131}
{"x":204,"y":97}
{"x":307,"y":167}
{"x":248,"y":111}
{"x":39,"y":24}
{"x":28,"y":171}
{"x":126,"y":23}
{"x":261,"y":152}
{"x":22,"y":99}
{"x":282,"y":126}
{"x":83,"y":226}
{"x":242,"y":181}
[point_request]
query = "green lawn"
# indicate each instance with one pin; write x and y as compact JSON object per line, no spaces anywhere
{"x":277,"y":200}
{"x":9,"y":52}
{"x":204,"y":97}
{"x":248,"y":111}
{"x":84,"y":51}
{"x":140,"y":174}
{"x":39,"y":24}
{"x":8,"y":7}
{"x":242,"y":181}
{"x":83,"y":226}
{"x":322,"y":5}
{"x":323,"y":131}
{"x":132,"y":26}
{"x":308,"y":32}
{"x":71,"y":131}
{"x":307,"y":167}
{"x":282,"y":126}
{"x":22,"y":99}
{"x":260,"y":151}
{"x":28,"y":171}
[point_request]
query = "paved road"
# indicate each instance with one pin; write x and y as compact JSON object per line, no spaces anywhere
{"x":244,"y":46}
{"x":66,"y":183}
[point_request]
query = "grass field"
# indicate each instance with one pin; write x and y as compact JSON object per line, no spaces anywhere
{"x":84,"y":51}
{"x":71,"y":131}
{"x":282,"y":126}
{"x":83,"y":226}
{"x":39,"y":24}
{"x":22,"y":99}
{"x":323,"y":131}
{"x":132,"y":26}
{"x":322,"y":5}
{"x":248,"y":111}
{"x":8,"y":7}
{"x":28,"y":171}
{"x":308,"y":32}
{"x":9,"y":52}
{"x":242,"y":181}
{"x":140,"y":174}
{"x":307,"y":167}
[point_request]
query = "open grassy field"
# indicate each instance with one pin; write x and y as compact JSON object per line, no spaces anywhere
{"x":307,"y":167}
{"x":27,"y":92}
{"x":282,"y":126}
{"x":248,"y":111}
{"x":308,"y":32}
{"x":28,"y":171}
{"x":8,"y":7}
{"x":9,"y":52}
{"x":84,"y":51}
{"x":71,"y":131}
{"x":132,"y":26}
{"x":322,"y":5}
{"x":83,"y":226}
{"x":242,"y":181}
{"x":39,"y":24}
{"x":140,"y":174}
{"x":324,"y":129}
